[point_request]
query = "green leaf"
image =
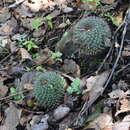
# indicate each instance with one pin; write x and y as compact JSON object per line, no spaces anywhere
{"x":14,"y":91}
{"x":50,"y":24}
{"x":49,"y":17}
{"x":36,"y":24}
{"x":74,"y":87}
{"x":28,"y":68}
{"x":111,"y":17}
{"x":38,"y":68}
{"x":34,"y":55}
{"x":56,"y":55}
{"x":30,"y":45}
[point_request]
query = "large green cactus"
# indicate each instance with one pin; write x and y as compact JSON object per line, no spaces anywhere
{"x":89,"y":36}
{"x":49,"y":89}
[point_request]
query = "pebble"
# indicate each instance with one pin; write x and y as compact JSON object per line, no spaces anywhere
{"x":61,"y":112}
{"x":43,"y":125}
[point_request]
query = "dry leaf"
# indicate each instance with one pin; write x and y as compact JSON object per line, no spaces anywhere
{"x":119,"y":18}
{"x":107,"y":1}
{"x":103,"y":122}
{"x":25,"y":54}
{"x":12,"y":118}
{"x":95,"y":83}
{"x":95,"y":89}
{"x":28,"y":86}
{"x":35,"y":7}
{"x":23,"y":12}
{"x":4,"y":15}
{"x":70,"y":67}
{"x":124,"y":125}
{"x":45,"y":57}
{"x":125,"y":106}
{"x":9,"y":27}
{"x":117,"y":94}
{"x":3,"y":89}
{"x":121,"y":126}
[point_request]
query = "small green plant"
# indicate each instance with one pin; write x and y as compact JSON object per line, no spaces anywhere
{"x":39,"y":68}
{"x":25,"y":41}
{"x":49,"y":89}
{"x":90,"y":36}
{"x":49,"y":21}
{"x":56,"y":56}
{"x":30,"y":45}
{"x":13,"y":91}
{"x":111,"y":17}
{"x":21,"y":38}
{"x":36,"y":24}
{"x":34,"y":55}
{"x":74,"y":87}
{"x":28,"y":68}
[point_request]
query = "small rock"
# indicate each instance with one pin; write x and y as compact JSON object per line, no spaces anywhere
{"x":35,"y":120}
{"x":45,"y":118}
{"x":4,"y":45}
{"x":40,"y":126}
{"x":43,"y":125}
{"x":61,"y":112}
{"x":67,"y":9}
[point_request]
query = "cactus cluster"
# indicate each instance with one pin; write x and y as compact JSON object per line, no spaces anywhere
{"x":49,"y":89}
{"x":89,"y":36}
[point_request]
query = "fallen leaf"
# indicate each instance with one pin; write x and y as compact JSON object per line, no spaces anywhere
{"x":124,"y":107}
{"x":28,"y":78}
{"x":4,"y":15}
{"x":70,"y":67}
{"x":126,"y":50}
{"x":3,"y":89}
{"x":12,"y":118}
{"x":103,"y":122}
{"x":34,"y":7}
{"x":94,"y":89}
{"x":45,"y":57}
{"x":119,"y":18}
{"x":117,"y":94}
{"x":126,"y":118}
{"x":107,"y":1}
{"x":54,"y":14}
{"x":23,"y":12}
{"x":9,"y":27}
{"x":121,"y":126}
{"x":62,"y":25}
{"x":25,"y":54}
{"x":28,"y":86}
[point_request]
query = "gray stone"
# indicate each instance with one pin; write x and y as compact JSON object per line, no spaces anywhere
{"x":61,"y":112}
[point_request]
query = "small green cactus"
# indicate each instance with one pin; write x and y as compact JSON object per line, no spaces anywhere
{"x":49,"y":89}
{"x":89,"y":36}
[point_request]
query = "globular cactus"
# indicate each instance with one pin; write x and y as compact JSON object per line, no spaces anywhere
{"x":49,"y":89}
{"x":89,"y":36}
